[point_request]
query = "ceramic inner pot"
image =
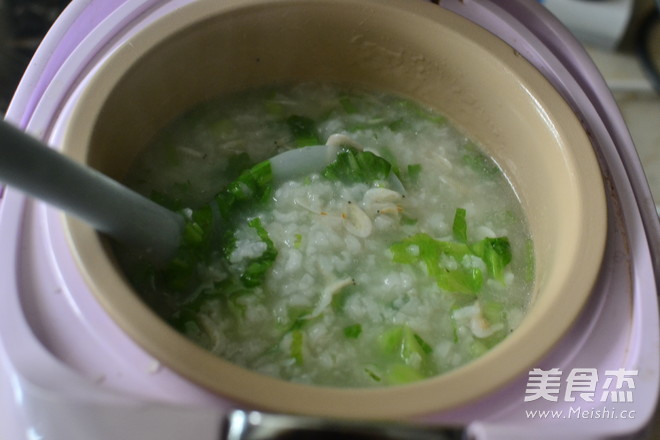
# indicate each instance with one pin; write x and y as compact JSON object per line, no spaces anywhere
{"x":411,"y":48}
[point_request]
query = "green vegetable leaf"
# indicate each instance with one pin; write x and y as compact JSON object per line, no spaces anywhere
{"x":387,"y":154}
{"x":422,"y":113}
{"x":479,"y":162}
{"x":257,"y":268}
{"x":166,"y":200}
{"x":414,"y":170}
{"x":496,"y":253}
{"x":454,"y":324}
{"x":477,"y":348}
{"x":402,"y":344}
{"x":181,"y":271}
{"x":253,"y":185}
{"x":297,"y":346}
{"x":459,"y":227}
{"x":461,"y":280}
{"x":236,"y":164}
{"x":297,"y":318}
{"x":197,"y":228}
{"x":303,"y":130}
{"x":427,"y":250}
{"x":353,"y":166}
{"x":493,"y":311}
{"x":193,"y":234}
{"x":422,"y":343}
{"x":353,"y":331}
{"x":273,"y":105}
{"x":405,"y":220}
{"x":171,"y":154}
{"x":397,"y":125}
{"x":390,"y":341}
{"x":529,"y":261}
{"x":221,"y":127}
{"x":297,"y":242}
{"x":401,"y":374}
{"x":347,"y":104}
{"x":422,"y":248}
{"x":370,"y":371}
{"x":203,"y":217}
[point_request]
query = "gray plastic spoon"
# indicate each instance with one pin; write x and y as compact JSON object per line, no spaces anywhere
{"x":112,"y":208}
{"x":109,"y":207}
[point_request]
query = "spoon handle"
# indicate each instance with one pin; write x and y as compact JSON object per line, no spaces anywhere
{"x":108,"y":206}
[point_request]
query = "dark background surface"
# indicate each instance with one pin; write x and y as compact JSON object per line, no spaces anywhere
{"x":23,"y":24}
